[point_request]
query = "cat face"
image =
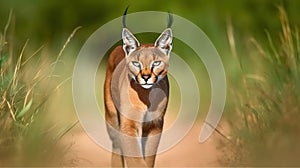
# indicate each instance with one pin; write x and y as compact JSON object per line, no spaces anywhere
{"x":147,"y":64}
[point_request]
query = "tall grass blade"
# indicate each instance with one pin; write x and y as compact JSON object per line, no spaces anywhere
{"x":64,"y":131}
{"x":24,"y":110}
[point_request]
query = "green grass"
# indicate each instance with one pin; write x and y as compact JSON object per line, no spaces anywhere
{"x":28,"y":79}
{"x":264,"y":110}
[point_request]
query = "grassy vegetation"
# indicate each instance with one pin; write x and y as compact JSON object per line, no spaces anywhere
{"x":265,"y":111}
{"x":28,"y":79}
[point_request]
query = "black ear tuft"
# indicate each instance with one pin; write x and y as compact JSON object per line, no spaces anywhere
{"x":124,"y":17}
{"x":170,"y":22}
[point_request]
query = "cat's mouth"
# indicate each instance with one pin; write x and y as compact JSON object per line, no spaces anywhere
{"x":146,"y":86}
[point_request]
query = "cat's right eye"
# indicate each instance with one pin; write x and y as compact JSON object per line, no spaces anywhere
{"x":156,"y":63}
{"x":136,"y":64}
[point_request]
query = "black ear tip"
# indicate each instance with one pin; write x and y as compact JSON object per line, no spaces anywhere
{"x":124,"y":17}
{"x":125,"y":12}
{"x":170,"y":22}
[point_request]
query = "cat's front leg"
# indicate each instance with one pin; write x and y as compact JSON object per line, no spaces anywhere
{"x":131,"y":143}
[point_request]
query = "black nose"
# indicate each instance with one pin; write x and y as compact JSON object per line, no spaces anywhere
{"x":146,"y":77}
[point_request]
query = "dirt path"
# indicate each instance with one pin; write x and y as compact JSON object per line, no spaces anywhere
{"x":188,"y":152}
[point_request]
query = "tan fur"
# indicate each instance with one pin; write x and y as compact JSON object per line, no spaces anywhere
{"x":120,"y":90}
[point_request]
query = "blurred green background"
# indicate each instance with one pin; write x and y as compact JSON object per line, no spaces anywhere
{"x":51,"y":22}
{"x":258,"y":41}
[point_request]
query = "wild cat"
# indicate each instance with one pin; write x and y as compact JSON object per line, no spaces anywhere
{"x":136,"y":93}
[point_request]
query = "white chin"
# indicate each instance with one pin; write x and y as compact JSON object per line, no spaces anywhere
{"x":146,"y":86}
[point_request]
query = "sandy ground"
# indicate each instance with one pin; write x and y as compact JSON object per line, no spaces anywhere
{"x":188,"y":152}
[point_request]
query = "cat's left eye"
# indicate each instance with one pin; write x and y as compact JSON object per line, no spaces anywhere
{"x":136,"y":64}
{"x":156,"y":63}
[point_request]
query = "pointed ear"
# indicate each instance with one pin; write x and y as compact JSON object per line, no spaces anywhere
{"x":164,"y":41}
{"x":130,"y":43}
